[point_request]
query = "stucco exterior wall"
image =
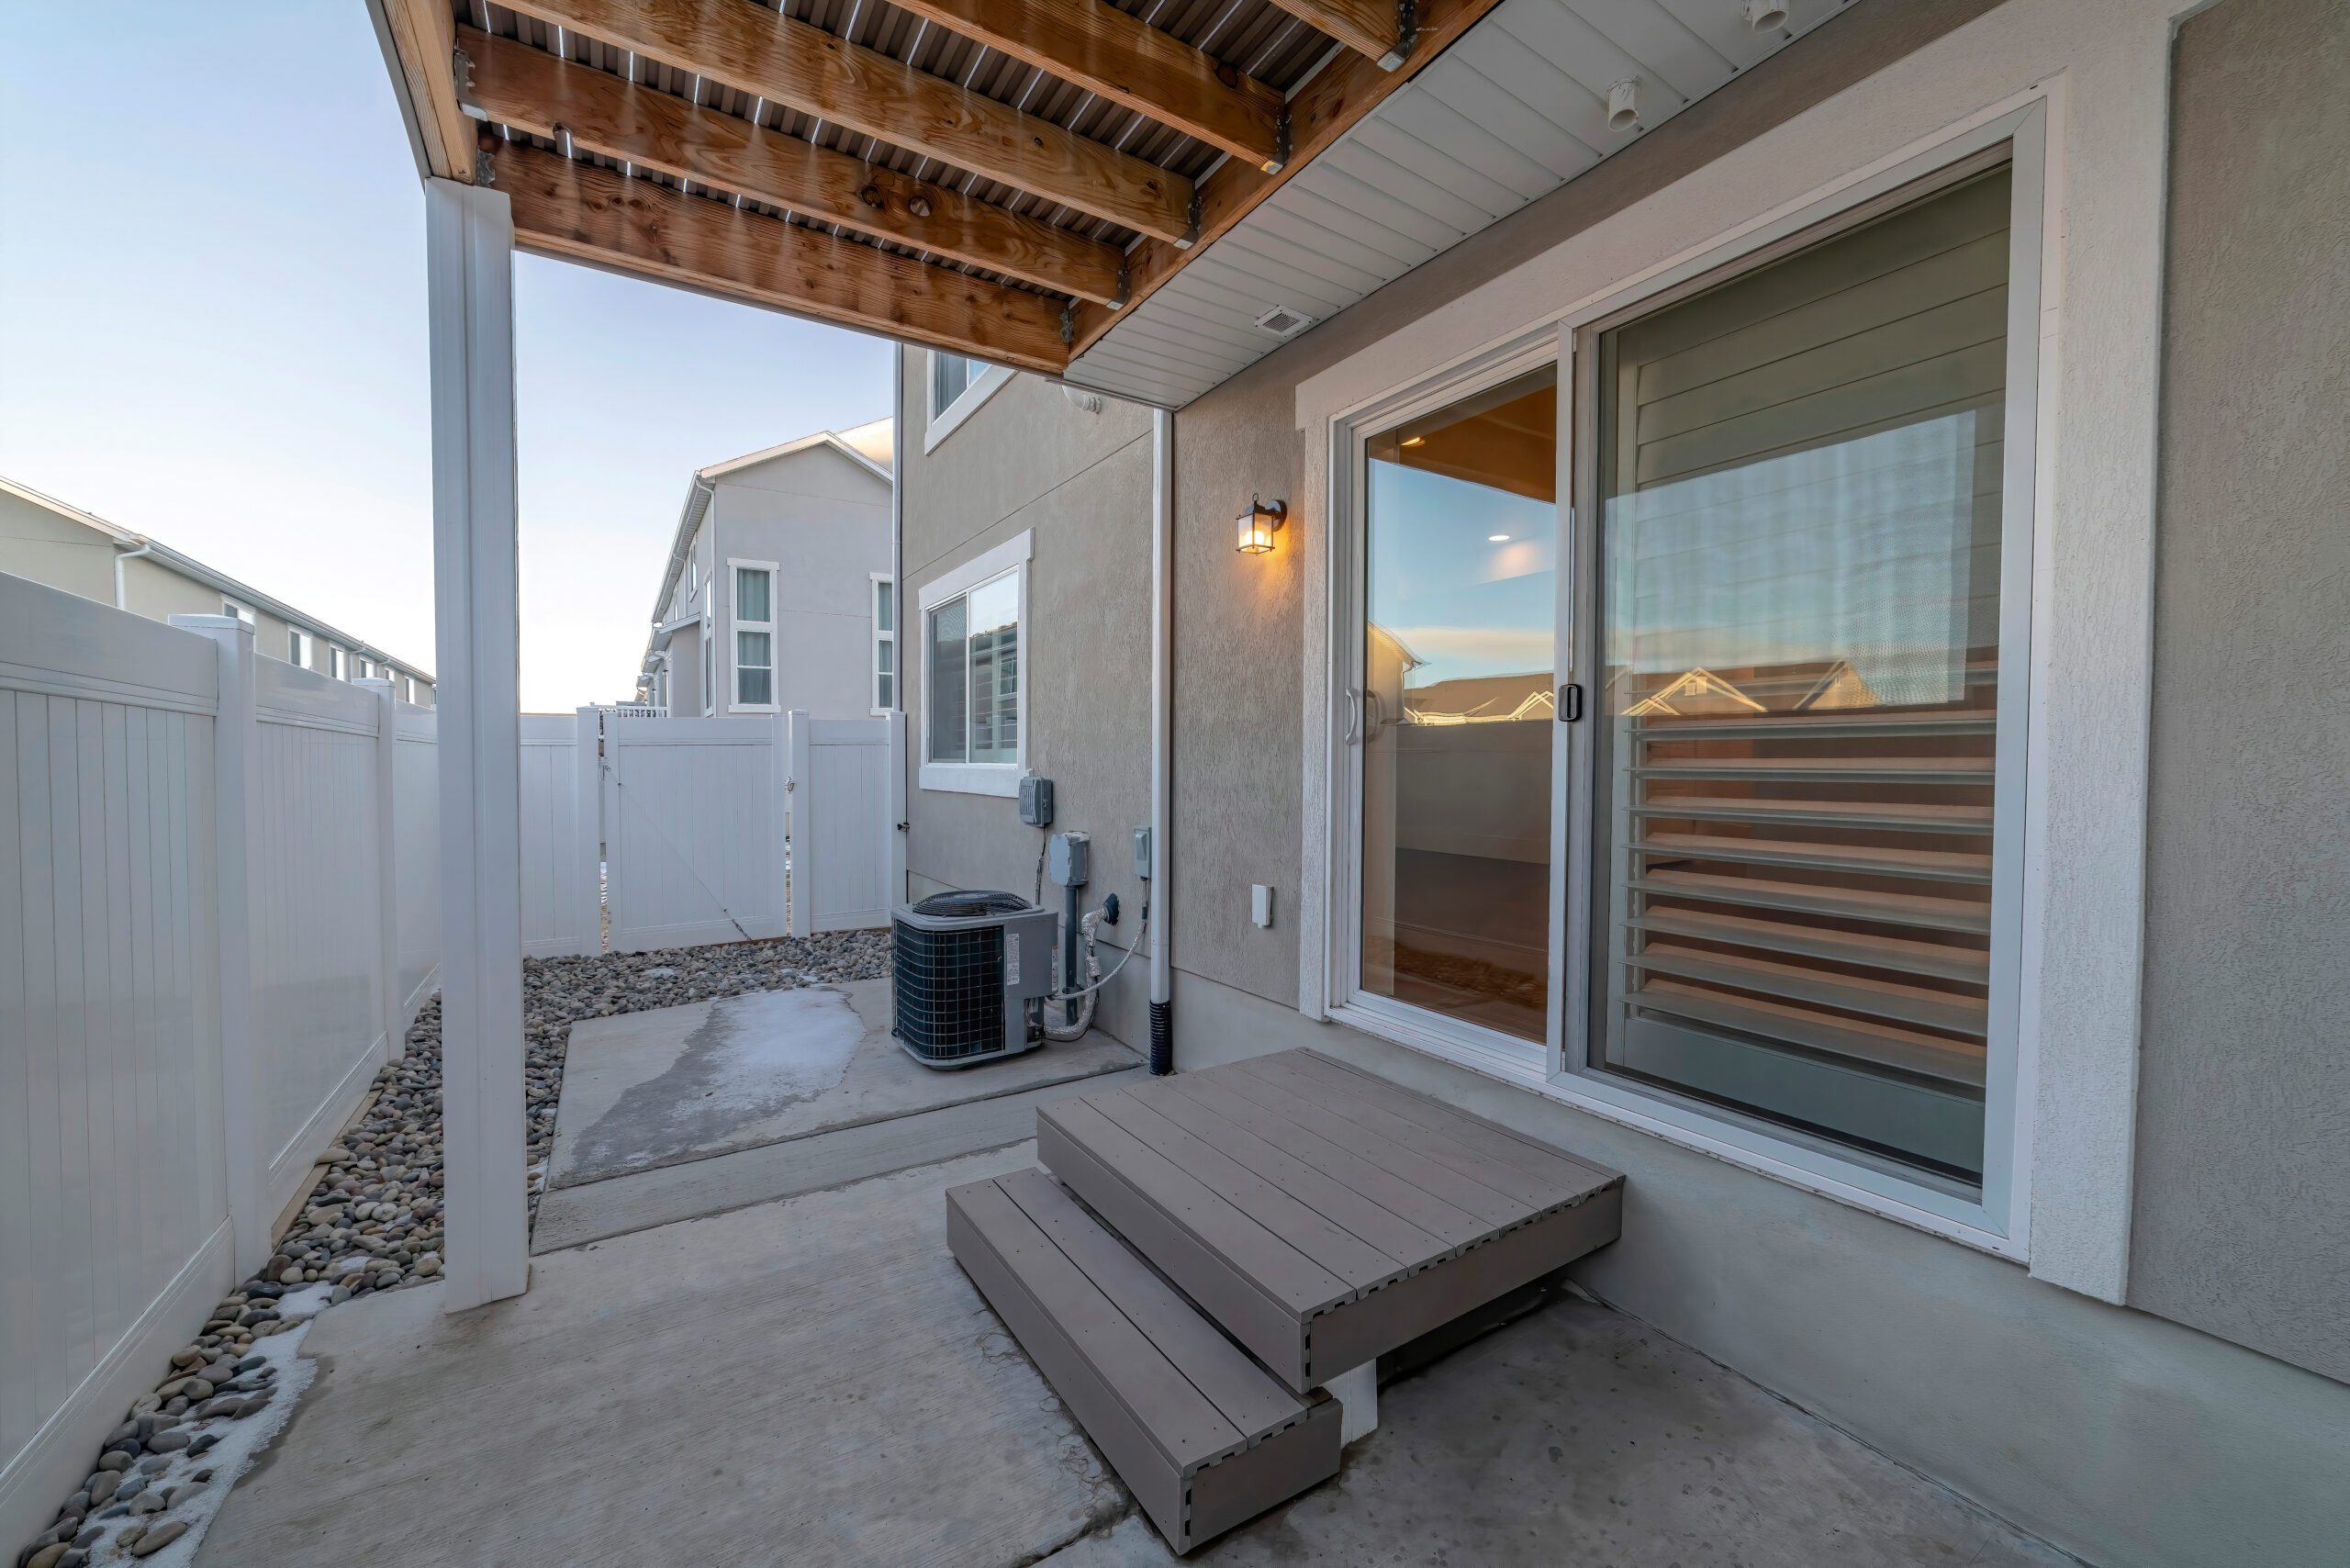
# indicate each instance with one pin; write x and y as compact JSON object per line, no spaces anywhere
{"x":42,"y":547}
{"x":1079,"y":482}
{"x":826,"y":523}
{"x":2244,"y":1154}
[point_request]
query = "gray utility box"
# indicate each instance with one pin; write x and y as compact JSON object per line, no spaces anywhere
{"x":1069,"y":860}
{"x":970,"y":971}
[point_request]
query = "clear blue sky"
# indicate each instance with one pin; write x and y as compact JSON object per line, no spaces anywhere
{"x":212,"y":331}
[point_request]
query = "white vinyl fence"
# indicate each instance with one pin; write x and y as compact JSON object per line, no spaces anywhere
{"x":847,"y":779}
{"x":693,"y":829}
{"x":216,"y":921}
{"x":559,"y":849}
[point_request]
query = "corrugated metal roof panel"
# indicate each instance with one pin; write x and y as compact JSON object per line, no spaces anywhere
{"x":1514,"y":110}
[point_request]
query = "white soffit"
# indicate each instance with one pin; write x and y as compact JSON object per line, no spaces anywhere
{"x":1509,"y":114}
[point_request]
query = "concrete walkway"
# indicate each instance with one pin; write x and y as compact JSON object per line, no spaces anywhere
{"x":814,"y":1381}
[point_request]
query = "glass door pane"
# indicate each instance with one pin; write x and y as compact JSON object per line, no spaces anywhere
{"x":1798,"y":645}
{"x":1458,"y":687}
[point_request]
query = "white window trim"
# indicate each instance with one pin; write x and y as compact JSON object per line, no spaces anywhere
{"x":1329,"y":916}
{"x":874,"y":705}
{"x":297,"y":647}
{"x":939,"y":423}
{"x":976,"y":778}
{"x":735,"y":625}
{"x":236,"y":611}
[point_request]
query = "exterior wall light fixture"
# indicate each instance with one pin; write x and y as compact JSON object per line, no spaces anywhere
{"x":1259,"y":524}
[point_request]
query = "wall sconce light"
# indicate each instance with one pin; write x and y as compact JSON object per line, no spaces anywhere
{"x":1259,"y":524}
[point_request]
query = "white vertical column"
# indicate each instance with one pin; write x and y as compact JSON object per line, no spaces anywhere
{"x":469,"y":270}
{"x":235,"y":812}
{"x":388,"y":995}
{"x":586,"y":916}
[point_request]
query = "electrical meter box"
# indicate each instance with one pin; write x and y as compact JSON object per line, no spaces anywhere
{"x":1035,"y":799}
{"x":1065,"y":857}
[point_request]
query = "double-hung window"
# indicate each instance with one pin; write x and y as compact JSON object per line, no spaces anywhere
{"x":957,"y":386}
{"x":974,"y":703}
{"x":885,"y":643}
{"x":337,"y":663}
{"x":754,"y":634}
{"x":297,"y":646}
{"x":235,"y":611}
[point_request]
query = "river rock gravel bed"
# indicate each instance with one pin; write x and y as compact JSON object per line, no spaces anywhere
{"x":373,"y":1222}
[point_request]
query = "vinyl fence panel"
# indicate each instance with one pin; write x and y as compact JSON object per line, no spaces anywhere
{"x":560,"y":914}
{"x":693,"y":830}
{"x":415,"y":857}
{"x":842,"y":824}
{"x":114,"y":1225}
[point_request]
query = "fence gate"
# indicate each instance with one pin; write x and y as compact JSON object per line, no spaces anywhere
{"x":693,"y":829}
{"x":559,"y":837}
{"x":844,"y":784}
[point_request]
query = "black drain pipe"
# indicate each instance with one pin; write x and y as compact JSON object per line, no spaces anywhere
{"x":1160,"y":913}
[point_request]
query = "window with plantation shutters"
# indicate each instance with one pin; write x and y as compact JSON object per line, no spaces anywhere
{"x":1798,"y":636}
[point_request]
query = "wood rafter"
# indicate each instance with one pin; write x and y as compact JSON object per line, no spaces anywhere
{"x":1326,"y":108}
{"x":534,"y":91}
{"x":760,"y":51}
{"x":584,"y":213}
{"x":1373,"y":28}
{"x":423,"y":37}
{"x":1128,"y":62}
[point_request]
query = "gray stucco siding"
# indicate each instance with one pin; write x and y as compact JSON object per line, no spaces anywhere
{"x":2243,"y":1196}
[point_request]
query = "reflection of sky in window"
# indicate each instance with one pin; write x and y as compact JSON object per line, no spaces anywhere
{"x":1872,"y":550}
{"x":1462,"y":605}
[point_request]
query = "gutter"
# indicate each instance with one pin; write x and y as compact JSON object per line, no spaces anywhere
{"x":1162,"y":712}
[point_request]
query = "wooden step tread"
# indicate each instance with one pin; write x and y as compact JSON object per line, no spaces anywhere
{"x":1320,"y":1214}
{"x":1198,"y":1431}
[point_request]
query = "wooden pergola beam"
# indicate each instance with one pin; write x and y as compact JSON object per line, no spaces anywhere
{"x":543,"y":93}
{"x":1330,"y":104}
{"x":1128,"y":62}
{"x":788,"y":62}
{"x":1373,"y":28}
{"x":424,"y":38}
{"x":578,"y":211}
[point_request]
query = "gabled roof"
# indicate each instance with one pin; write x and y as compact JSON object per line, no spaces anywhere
{"x":870,"y":446}
{"x":219,"y":581}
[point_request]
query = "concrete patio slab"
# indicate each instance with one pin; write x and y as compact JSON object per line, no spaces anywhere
{"x":675,"y":1084}
{"x":570,"y":1217}
{"x":1577,"y":1435}
{"x":810,"y":1381}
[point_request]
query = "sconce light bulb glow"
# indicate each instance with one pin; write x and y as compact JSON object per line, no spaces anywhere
{"x":1497,"y":539}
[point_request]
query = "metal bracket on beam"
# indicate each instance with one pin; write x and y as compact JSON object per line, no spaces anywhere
{"x":461,"y":76}
{"x":1281,"y":145}
{"x":1191,"y":235}
{"x":1407,"y":33}
{"x":1126,"y":286}
{"x":1068,"y":321}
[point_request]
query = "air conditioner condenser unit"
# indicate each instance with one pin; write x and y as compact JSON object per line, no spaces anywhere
{"x":971,"y":971}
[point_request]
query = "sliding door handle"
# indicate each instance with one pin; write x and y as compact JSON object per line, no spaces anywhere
{"x":1353,"y":710}
{"x":1569,"y":702}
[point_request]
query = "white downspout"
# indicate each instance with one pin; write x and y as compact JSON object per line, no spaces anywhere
{"x":121,"y":588}
{"x":1162,"y":712}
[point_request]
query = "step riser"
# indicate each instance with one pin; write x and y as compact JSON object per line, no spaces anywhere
{"x":1396,"y":1315}
{"x":1266,"y":1328}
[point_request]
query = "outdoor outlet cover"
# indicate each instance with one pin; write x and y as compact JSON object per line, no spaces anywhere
{"x":1260,"y":904}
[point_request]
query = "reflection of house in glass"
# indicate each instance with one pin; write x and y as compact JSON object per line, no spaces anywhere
{"x":995,"y":693}
{"x":1481,"y":700}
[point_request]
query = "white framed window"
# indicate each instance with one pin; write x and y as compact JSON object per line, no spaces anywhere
{"x":885,"y":643}
{"x":708,"y":669}
{"x":975,"y":691}
{"x":297,"y":646}
{"x":693,"y":578}
{"x":753,"y":631}
{"x":955,"y":386}
{"x":337,"y":663}
{"x":1778,"y":537}
{"x":235,"y":611}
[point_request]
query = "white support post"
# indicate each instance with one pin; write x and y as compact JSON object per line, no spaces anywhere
{"x":469,"y":274}
{"x":235,"y":824}
{"x":387,"y":902}
{"x":800,"y":806}
{"x":588,"y":818}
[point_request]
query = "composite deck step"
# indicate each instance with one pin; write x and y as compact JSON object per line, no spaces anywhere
{"x":1322,"y":1216}
{"x":1198,"y":1432}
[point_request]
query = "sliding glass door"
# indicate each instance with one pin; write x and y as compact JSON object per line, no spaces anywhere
{"x":1758,"y":876}
{"x":1455,"y":709}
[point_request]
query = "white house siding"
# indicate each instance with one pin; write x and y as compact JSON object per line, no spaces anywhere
{"x":2106,"y":1428}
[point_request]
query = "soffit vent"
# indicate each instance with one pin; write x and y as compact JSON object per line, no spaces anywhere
{"x":1284,"y":322}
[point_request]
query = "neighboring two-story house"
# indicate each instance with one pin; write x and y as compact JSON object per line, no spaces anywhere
{"x":46,"y":541}
{"x":777,"y":596}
